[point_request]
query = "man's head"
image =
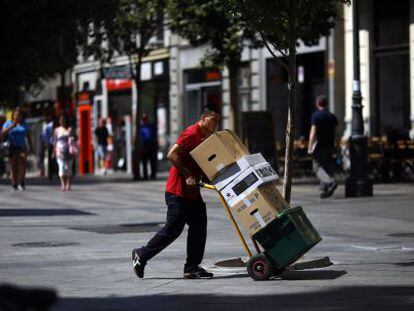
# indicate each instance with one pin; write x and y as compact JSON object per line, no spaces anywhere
{"x":210,"y":118}
{"x":144,"y":118}
{"x":17,"y":115}
{"x":102,"y":122}
{"x":321,"y":102}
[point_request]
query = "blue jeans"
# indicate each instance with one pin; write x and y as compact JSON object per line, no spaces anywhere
{"x":181,"y":211}
{"x":101,"y":152}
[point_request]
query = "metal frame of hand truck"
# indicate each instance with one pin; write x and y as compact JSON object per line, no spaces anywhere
{"x":259,"y":267}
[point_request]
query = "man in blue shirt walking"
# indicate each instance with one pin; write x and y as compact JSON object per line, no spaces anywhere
{"x":149,"y":147}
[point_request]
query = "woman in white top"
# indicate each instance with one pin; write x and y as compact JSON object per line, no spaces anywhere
{"x":63,"y":152}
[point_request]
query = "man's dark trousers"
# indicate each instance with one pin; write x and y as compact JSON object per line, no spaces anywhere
{"x":52,"y":164}
{"x":323,"y":166}
{"x":181,"y":211}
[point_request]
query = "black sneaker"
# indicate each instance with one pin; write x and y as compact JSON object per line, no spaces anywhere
{"x":198,"y":273}
{"x":137,"y":265}
{"x":331,"y":189}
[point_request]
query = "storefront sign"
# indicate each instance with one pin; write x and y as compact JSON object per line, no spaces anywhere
{"x":212,"y":75}
{"x":84,"y":99}
{"x":119,"y":72}
{"x":118,"y":84}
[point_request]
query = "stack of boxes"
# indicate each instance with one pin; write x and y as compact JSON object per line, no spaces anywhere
{"x":247,"y":182}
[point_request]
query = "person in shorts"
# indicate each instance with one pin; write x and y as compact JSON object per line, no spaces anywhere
{"x":16,"y":132}
{"x":101,"y":134}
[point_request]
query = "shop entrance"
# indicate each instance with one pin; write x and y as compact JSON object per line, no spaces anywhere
{"x":311,"y":82}
{"x":202,"y":87}
{"x":119,"y":107}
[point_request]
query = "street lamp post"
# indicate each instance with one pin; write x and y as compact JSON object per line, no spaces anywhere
{"x":358,"y":183}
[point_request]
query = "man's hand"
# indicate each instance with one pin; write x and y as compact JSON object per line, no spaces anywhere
{"x":191,"y":181}
{"x":312,"y":140}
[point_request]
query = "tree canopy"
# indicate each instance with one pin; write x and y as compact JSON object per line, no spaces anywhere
{"x":273,"y":20}
{"x":281,"y":24}
{"x":129,"y":33}
{"x":42,"y":38}
{"x":208,"y":21}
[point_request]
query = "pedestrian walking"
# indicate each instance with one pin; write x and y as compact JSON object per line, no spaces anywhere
{"x":64,"y":149}
{"x":4,"y":150}
{"x":184,"y":202}
{"x":16,"y":132}
{"x":321,"y":146}
{"x":48,"y":144}
{"x":148,"y":147}
{"x":101,"y":135}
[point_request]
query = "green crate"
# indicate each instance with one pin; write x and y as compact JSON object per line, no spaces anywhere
{"x":288,"y":237}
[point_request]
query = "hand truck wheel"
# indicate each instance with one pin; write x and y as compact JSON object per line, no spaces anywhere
{"x":259,"y":268}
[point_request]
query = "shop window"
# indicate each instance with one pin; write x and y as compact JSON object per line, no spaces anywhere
{"x":391,"y":22}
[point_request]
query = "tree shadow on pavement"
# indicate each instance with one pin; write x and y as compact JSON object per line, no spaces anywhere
{"x":312,"y":275}
{"x":356,"y":298}
{"x":232,"y":276}
{"x":287,"y":275}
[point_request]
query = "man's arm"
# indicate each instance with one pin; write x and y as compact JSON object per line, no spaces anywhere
{"x":312,"y":139}
{"x":175,"y":157}
{"x":54,"y":144}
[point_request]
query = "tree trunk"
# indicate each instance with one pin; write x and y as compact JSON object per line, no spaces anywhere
{"x":62,"y":94}
{"x":290,"y":128}
{"x":234,"y":100}
{"x":136,"y":153}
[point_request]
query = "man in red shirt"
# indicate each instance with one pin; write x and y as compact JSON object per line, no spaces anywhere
{"x":183,"y":198}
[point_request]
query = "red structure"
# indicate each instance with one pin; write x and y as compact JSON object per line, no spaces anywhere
{"x":84,"y":121}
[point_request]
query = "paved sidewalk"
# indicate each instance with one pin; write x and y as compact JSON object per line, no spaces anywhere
{"x":79,"y":243}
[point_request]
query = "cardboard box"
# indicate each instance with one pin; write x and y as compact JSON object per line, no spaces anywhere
{"x":234,"y":170}
{"x":259,"y":208}
{"x":218,"y":151}
{"x":247,"y":181}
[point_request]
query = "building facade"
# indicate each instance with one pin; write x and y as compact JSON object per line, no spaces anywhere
{"x":175,"y":86}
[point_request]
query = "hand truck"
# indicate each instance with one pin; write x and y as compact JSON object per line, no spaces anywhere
{"x":284,"y":240}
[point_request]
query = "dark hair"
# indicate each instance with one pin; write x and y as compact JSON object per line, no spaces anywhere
{"x":209,"y":108}
{"x":65,"y":117}
{"x":322,"y":101}
{"x":17,"y":110}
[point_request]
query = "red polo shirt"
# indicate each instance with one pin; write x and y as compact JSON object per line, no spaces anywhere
{"x":190,"y":138}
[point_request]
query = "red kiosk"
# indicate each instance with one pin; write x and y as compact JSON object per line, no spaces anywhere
{"x":84,"y":114}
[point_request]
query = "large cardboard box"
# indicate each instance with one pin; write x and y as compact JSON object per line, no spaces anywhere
{"x":218,"y":151}
{"x":235,"y":169}
{"x":260,"y":207}
{"x":247,"y":181}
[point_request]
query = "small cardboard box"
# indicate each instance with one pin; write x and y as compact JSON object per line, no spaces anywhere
{"x":247,"y":181}
{"x":218,"y":151}
{"x":259,"y":208}
{"x":235,"y":169}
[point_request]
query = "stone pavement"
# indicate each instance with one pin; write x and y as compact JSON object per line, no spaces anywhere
{"x":79,"y":243}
